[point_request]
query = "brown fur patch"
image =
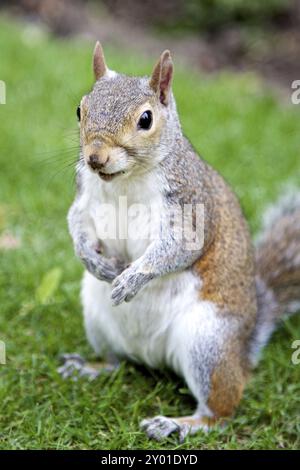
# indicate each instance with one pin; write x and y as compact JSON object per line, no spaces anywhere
{"x":227,"y":267}
{"x":196,"y":421}
{"x":227,"y":384}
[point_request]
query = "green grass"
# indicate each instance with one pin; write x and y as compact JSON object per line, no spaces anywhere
{"x":242,"y":130}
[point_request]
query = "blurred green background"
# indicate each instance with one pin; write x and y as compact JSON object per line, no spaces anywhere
{"x":233,"y":92}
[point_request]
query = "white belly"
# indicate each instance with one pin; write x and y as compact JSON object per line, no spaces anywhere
{"x":142,"y":329}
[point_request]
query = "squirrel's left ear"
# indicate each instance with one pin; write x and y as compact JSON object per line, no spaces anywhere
{"x":99,"y":65}
{"x":161,"y":78}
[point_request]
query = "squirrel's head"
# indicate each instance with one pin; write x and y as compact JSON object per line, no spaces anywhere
{"x":126,"y":123}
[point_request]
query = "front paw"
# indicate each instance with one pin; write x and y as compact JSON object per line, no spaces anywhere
{"x":104,"y":269}
{"x":127,"y":285}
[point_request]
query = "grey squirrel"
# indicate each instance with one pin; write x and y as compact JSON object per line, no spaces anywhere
{"x":204,"y":310}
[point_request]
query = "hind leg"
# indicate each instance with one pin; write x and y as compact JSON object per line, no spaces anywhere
{"x":204,"y":347}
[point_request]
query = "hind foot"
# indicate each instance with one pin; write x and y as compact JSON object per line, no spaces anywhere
{"x":160,"y":427}
{"x":75,"y":366}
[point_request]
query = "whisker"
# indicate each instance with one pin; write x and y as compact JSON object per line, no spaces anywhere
{"x":62,"y":171}
{"x":57,"y":155}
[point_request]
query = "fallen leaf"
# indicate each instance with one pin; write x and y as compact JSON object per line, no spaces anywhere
{"x":48,"y":285}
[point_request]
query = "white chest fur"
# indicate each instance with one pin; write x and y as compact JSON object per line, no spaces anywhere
{"x":142,"y":328}
{"x":126,"y":215}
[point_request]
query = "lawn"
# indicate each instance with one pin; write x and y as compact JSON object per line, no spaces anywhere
{"x":241,"y":128}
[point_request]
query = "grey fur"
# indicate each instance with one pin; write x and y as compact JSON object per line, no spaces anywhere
{"x":88,"y":250}
{"x":265,"y":322}
{"x":278,"y":268}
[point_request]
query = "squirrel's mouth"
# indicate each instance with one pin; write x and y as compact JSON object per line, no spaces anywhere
{"x":109,"y":176}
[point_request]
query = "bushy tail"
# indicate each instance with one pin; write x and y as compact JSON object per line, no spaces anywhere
{"x":278,"y":268}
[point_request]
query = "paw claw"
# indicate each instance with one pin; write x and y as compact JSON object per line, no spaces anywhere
{"x":74,"y":366}
{"x":127,"y":285}
{"x":161,"y":427}
{"x":118,"y":294}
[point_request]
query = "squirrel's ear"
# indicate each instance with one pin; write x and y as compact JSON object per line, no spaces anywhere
{"x":161,"y":78}
{"x":99,"y":65}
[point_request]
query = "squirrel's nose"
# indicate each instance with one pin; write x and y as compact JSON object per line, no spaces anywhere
{"x":96,"y":163}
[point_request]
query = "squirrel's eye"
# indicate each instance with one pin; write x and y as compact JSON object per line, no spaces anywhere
{"x":78,"y":113}
{"x":145,"y":120}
